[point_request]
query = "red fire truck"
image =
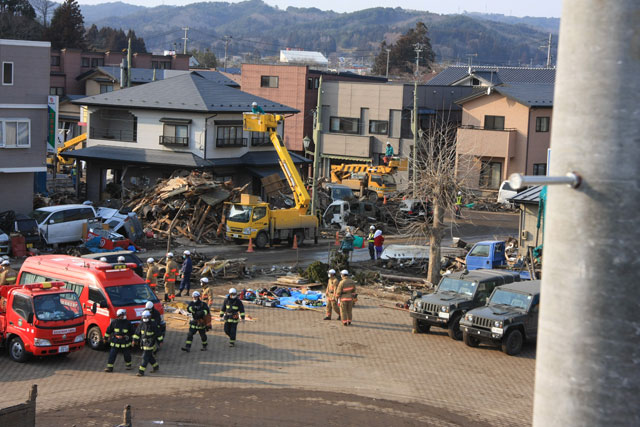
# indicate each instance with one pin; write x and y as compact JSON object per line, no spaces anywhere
{"x":40,"y":319}
{"x":102,"y":288}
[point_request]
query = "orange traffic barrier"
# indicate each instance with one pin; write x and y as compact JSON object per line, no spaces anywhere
{"x":384,"y":201}
{"x":250,"y":248}
{"x":337,"y":238}
{"x":295,"y":242}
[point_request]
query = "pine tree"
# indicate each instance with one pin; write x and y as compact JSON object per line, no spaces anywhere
{"x":402,"y":57}
{"x":67,"y":27}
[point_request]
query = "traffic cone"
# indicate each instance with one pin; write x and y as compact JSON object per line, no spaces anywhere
{"x":295,"y":242}
{"x":384,"y":201}
{"x":250,"y":248}
{"x":337,"y":238}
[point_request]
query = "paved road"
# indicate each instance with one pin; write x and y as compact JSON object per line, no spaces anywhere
{"x":378,"y":357}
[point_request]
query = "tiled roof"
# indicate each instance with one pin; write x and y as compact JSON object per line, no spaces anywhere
{"x":530,"y":195}
{"x":531,"y":95}
{"x":499,"y":75}
{"x":145,"y":75}
{"x":185,"y":92}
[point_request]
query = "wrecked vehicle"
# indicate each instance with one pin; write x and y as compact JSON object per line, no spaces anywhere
{"x":122,"y":221}
{"x":415,"y":209}
{"x":456,"y":294}
{"x":509,"y":318}
{"x":63,"y":223}
{"x":344,"y":213}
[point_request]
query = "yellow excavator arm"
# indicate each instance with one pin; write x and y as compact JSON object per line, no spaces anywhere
{"x":269,"y":123}
{"x":69,"y":145}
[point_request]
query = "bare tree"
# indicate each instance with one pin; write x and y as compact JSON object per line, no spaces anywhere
{"x":44,"y":8}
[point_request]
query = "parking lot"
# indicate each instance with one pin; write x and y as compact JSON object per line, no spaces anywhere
{"x":378,"y":357}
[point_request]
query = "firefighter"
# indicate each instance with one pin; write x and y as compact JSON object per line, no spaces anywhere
{"x":121,"y":259}
{"x":332,"y":303}
{"x":8,"y":275}
{"x":149,"y":337}
{"x":370,"y":236}
{"x":207,"y":297}
{"x":185,"y":271}
{"x":231,"y":312}
{"x":152,"y":274}
{"x":199,"y":311}
{"x":158,"y":319}
{"x":119,"y":335}
{"x":170,"y":275}
{"x":345,"y":295}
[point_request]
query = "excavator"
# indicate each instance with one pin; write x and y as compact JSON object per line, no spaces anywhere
{"x":68,"y":145}
{"x":255,"y":219}
{"x":373,"y":182}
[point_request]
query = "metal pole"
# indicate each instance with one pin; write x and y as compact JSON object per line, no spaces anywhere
{"x":549,"y":52}
{"x":415,"y":134}
{"x":588,"y":357}
{"x":388,"y":54}
{"x":185,"y":38}
{"x":129,"y":63}
{"x":316,"y":150}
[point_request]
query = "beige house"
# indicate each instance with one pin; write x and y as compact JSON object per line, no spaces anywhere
{"x":505,"y":129}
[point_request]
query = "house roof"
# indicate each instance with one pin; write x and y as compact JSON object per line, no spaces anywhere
{"x":186,"y":92}
{"x":531,"y":195}
{"x":531,"y":95}
{"x":145,"y":75}
{"x":498,"y":75}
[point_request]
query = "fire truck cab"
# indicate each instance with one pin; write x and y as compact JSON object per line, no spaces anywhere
{"x":102,"y":288}
{"x":40,"y":319}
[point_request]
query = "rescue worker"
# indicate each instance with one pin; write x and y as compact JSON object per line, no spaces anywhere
{"x":388,"y":153}
{"x":148,"y":336}
{"x":256,"y":109}
{"x":345,"y":295}
{"x":185,"y":271}
{"x":121,"y":260}
{"x":332,"y":303}
{"x":458,"y":204}
{"x":378,"y":240}
{"x":370,"y":236}
{"x":152,"y":274}
{"x":231,"y":312}
{"x":158,"y":319}
{"x":346,"y":246}
{"x":207,"y":297}
{"x":8,"y":275}
{"x":118,"y":334}
{"x":170,"y":275}
{"x":103,"y":259}
{"x":199,"y":311}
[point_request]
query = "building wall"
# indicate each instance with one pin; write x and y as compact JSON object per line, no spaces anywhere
{"x":16,"y":192}
{"x":528,"y":228}
{"x":539,"y":142}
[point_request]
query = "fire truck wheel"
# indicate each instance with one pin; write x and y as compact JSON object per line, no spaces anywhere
{"x":17,"y":351}
{"x":94,"y":338}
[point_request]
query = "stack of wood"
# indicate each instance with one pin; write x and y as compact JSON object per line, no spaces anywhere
{"x":223,"y":268}
{"x":190,"y":205}
{"x":291,"y":279}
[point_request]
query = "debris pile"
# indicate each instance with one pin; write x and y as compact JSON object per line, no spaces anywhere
{"x":54,"y":199}
{"x":224,"y":268}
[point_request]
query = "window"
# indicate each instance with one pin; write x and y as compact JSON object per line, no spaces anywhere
{"x":269,"y":81}
{"x":260,"y":139}
{"x":55,"y":60}
{"x":539,"y":168}
{"x":26,"y":278}
{"x":15,"y":133}
{"x":175,"y":134}
{"x":161,"y":65}
{"x":22,"y":306}
{"x":259,"y":213}
{"x":310,"y":83}
{"x":490,"y":174}
{"x":7,"y":73}
{"x":86,"y":62}
{"x":230,"y":136}
{"x":475,"y":82}
{"x":344,"y":125}
{"x":106,"y":88}
{"x":313,"y":83}
{"x":97,"y":296}
{"x":56,"y":91}
{"x":542,"y":124}
{"x":494,"y":122}
{"x":97,"y":62}
{"x":74,"y":287}
{"x":379,"y":127}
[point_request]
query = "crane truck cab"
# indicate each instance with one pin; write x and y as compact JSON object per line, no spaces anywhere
{"x":40,"y":319}
{"x":102,"y":289}
{"x":374,"y":182}
{"x":253,"y":218}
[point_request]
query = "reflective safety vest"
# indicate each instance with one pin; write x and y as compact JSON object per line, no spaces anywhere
{"x":118,"y":333}
{"x":232,"y":310}
{"x":370,"y":237}
{"x":346,"y":290}
{"x":332,"y":287}
{"x":198,"y":310}
{"x":148,"y":335}
{"x":172,"y":272}
{"x":152,"y":275}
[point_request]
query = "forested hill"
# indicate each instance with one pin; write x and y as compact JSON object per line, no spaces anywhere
{"x":259,"y":29}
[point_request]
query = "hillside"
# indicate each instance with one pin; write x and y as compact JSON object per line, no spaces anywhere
{"x":257,"y":28}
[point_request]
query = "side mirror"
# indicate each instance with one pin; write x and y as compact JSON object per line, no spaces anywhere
{"x":30,"y":318}
{"x":51,"y":221}
{"x":94,"y":308}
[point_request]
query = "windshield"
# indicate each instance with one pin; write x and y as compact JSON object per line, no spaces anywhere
{"x":27,"y":226}
{"x":512,"y":299}
{"x":130,"y":295}
{"x":342,"y":193}
{"x":458,"y":286}
{"x":388,"y":180}
{"x":240,"y":213}
{"x":480,"y":250}
{"x":39,"y":215}
{"x":64,"y":306}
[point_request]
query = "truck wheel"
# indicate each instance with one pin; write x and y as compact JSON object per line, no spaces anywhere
{"x":512,"y":343}
{"x":262,"y":240}
{"x":454,"y":328}
{"x":17,"y":352}
{"x":94,"y":338}
{"x":419,"y":327}
{"x":469,"y":340}
{"x":372,"y":196}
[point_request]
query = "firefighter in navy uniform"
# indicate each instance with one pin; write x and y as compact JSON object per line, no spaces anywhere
{"x":159,"y":321}
{"x":149,"y":337}
{"x":199,"y":311}
{"x":232,"y":311}
{"x":119,"y":335}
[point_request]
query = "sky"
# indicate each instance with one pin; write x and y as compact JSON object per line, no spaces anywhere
{"x":543,"y":8}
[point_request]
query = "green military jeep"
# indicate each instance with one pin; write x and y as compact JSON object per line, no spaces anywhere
{"x":509,"y":318}
{"x":456,"y":294}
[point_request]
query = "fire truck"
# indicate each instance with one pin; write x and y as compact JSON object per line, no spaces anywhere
{"x":40,"y":319}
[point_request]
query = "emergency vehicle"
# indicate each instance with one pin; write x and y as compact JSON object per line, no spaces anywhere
{"x":103,"y":288}
{"x":40,"y":319}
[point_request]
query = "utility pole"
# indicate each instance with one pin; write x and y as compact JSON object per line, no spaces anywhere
{"x":316,"y":149}
{"x":185,"y":38}
{"x":418,"y":48}
{"x":227,"y":40}
{"x":470,"y":59}
{"x":588,"y":361}
{"x":129,"y":63}
{"x":549,"y":52}
{"x":388,"y":53}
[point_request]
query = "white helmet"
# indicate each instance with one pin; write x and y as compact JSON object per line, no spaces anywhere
{"x":373,"y":227}
{"x":332,"y":271}
{"x":187,"y":253}
{"x":121,"y":312}
{"x":196,"y":294}
{"x":103,"y":259}
{"x":344,"y":272}
{"x":121,"y":258}
{"x":146,"y":315}
{"x":388,"y":143}
{"x":204,"y":280}
{"x":148,"y":305}
{"x":459,"y":193}
{"x":233,"y":291}
{"x":150,"y":260}
{"x":5,"y":262}
{"x":254,"y":104}
{"x":169,"y":254}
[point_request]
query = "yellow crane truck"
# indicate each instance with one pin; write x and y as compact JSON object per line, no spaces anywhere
{"x":63,"y":163}
{"x":253,"y":218}
{"x":374,"y":182}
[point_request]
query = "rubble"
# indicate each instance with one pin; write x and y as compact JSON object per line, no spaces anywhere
{"x":224,"y":268}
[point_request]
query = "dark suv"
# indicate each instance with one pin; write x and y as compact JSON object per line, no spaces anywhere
{"x":509,"y":318}
{"x":456,"y":294}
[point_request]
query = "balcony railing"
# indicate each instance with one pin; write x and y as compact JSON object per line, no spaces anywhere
{"x":113,"y":134}
{"x":484,"y":128}
{"x":174,"y":140}
{"x":231,"y":142}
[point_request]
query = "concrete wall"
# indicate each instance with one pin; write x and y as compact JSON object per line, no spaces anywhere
{"x":539,"y":142}
{"x":16,"y":192}
{"x":528,"y":222}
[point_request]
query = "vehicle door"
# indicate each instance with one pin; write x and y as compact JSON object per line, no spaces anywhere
{"x":55,"y":228}
{"x":479,"y":257}
{"x":19,"y":315}
{"x":259,"y":219}
{"x":531,"y":324}
{"x":498,"y":255}
{"x":484,"y":291}
{"x":101,"y":316}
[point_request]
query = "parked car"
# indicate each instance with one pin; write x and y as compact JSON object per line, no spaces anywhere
{"x":112,"y":258}
{"x":62,"y":223}
{"x":416,"y":209}
{"x":10,"y":222}
{"x":509,"y":318}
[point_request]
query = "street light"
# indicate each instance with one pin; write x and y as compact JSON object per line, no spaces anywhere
{"x":306,"y":142}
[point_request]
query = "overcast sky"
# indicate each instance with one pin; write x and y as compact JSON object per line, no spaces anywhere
{"x":550,"y":8}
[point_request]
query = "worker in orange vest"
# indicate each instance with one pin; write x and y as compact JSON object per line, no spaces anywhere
{"x":345,"y":295}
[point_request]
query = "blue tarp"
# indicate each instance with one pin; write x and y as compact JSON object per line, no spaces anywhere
{"x":299,"y":296}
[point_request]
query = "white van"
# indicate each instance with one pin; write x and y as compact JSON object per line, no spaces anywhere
{"x":63,"y":223}
{"x":505,"y":193}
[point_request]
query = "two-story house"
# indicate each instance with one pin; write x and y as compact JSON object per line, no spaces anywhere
{"x":141,"y":133}
{"x":24,"y":87}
